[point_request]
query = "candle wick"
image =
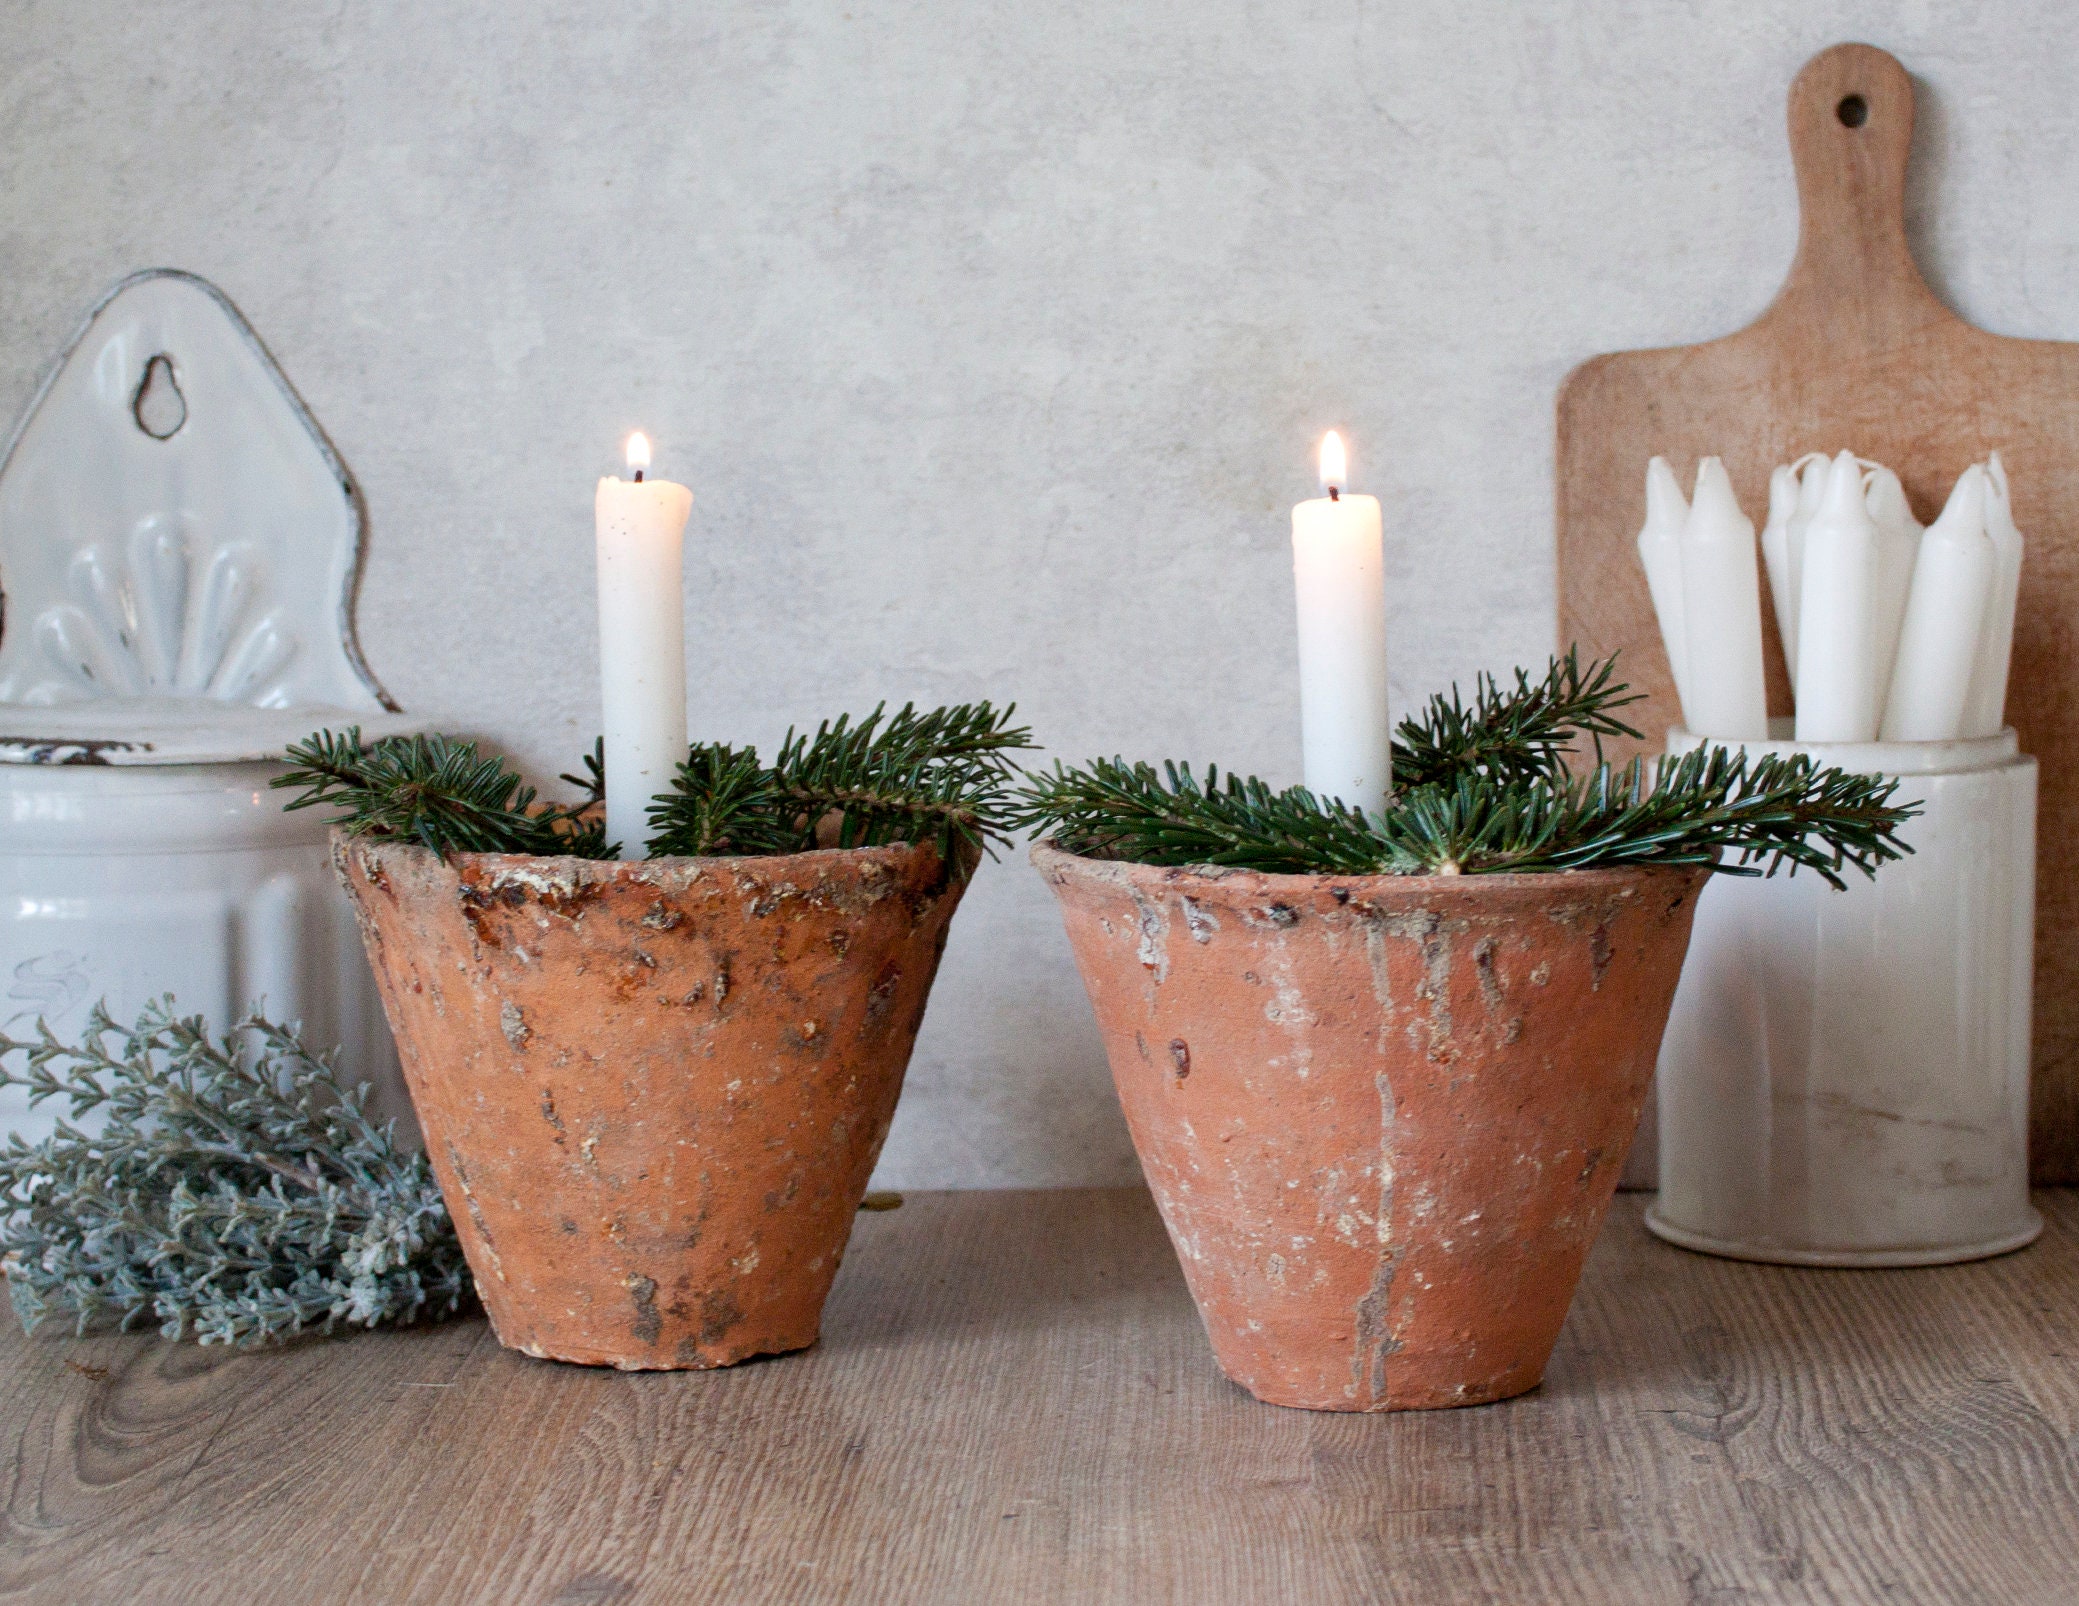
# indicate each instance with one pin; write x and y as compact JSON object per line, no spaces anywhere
{"x":1334,"y":495}
{"x":638,"y":476}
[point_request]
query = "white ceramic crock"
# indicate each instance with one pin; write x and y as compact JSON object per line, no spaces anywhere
{"x":127,"y":883}
{"x":1844,"y":1078}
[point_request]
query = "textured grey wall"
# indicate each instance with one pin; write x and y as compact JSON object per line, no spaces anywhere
{"x":993,"y":341}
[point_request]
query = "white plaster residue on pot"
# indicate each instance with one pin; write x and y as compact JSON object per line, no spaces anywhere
{"x":1154,"y":927}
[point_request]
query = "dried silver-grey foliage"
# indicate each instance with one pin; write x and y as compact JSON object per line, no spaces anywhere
{"x":237,"y":1192}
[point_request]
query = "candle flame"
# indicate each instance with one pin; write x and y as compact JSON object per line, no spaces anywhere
{"x":639,"y":451}
{"x":1335,"y":463}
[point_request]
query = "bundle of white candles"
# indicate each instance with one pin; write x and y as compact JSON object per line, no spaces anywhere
{"x":1890,"y":631}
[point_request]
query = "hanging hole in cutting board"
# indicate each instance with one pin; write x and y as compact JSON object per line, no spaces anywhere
{"x":159,"y":407}
{"x":1853,"y":111}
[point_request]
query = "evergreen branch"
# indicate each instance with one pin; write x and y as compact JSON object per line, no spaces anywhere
{"x":1710,"y":807}
{"x":1110,"y":809}
{"x":1503,"y":801}
{"x":1527,"y":731}
{"x":941,"y":777}
{"x":436,"y":791}
{"x":592,"y":784}
{"x":722,"y":801}
{"x":235,"y":1191}
{"x":1691,"y":810}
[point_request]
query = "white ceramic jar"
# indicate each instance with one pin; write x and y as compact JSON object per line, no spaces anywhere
{"x":1844,"y":1079}
{"x":123,"y":883}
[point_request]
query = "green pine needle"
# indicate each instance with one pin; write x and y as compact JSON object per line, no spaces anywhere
{"x":592,"y":784}
{"x":723,"y":801}
{"x":1710,"y":807}
{"x":1525,"y":732}
{"x":1109,"y":809}
{"x":236,"y":1192}
{"x":1490,"y":792}
{"x":437,"y":791}
{"x":942,"y":777}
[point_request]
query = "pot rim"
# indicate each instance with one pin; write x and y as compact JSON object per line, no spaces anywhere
{"x":1046,"y":851}
{"x":813,"y":858}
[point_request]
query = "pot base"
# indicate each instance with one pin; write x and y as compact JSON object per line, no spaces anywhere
{"x":1910,"y":1255}
{"x":713,"y":1361}
{"x":1490,"y":1392}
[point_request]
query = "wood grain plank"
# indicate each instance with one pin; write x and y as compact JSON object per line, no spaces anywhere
{"x":1014,"y":1401}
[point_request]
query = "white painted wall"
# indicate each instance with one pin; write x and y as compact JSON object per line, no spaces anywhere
{"x":994,"y":340}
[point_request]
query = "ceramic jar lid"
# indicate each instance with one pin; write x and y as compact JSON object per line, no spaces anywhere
{"x":196,"y":730}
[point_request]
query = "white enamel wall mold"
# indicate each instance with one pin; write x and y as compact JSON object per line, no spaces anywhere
{"x":178,"y":552}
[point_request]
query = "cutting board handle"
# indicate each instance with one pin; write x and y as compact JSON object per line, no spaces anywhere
{"x":1851,"y":126}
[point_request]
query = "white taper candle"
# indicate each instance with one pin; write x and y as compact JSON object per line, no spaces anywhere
{"x":1945,"y":621}
{"x":1812,"y":470}
{"x":1988,"y":708}
{"x":1721,"y":613}
{"x":1837,"y":615}
{"x":1339,"y":576}
{"x":1898,"y":549}
{"x":640,"y":528}
{"x":1775,"y":558}
{"x":1660,"y":550}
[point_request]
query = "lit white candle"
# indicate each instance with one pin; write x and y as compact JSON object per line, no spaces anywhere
{"x":1837,"y":690}
{"x":1660,"y":550}
{"x":1721,"y":613}
{"x":1988,"y":707}
{"x":1339,"y":574}
{"x":1945,"y":621}
{"x":640,"y":527}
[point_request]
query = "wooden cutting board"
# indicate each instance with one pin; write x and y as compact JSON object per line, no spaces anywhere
{"x":1857,"y":352}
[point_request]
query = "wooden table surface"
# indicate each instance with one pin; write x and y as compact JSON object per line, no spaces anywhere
{"x":1013,"y":1401}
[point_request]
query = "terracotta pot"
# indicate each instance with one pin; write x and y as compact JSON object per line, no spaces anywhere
{"x":653,"y":1091}
{"x":1382,"y":1115}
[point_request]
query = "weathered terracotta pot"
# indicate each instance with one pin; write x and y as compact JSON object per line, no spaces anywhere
{"x":653,"y":1091}
{"x":1382,"y":1116}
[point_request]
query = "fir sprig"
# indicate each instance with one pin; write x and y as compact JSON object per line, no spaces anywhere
{"x":1109,"y":809}
{"x":235,"y":1192}
{"x":942,"y":777}
{"x":1527,"y":731}
{"x":1498,"y":798}
{"x":1709,"y":807}
{"x":723,"y":801}
{"x":592,"y":784}
{"x":437,"y":791}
